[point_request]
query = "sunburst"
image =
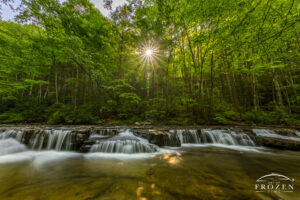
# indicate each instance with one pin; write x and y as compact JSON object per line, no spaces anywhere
{"x":149,"y":53}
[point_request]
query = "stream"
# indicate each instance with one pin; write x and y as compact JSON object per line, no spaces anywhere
{"x":209,"y":164}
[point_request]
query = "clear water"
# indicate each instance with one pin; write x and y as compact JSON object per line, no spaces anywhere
{"x":206,"y":172}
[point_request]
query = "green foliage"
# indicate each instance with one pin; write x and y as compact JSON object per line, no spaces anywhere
{"x":218,"y":61}
{"x":60,"y":113}
{"x":123,"y":122}
{"x":220,"y":119}
{"x":11,"y":117}
{"x":155,"y":114}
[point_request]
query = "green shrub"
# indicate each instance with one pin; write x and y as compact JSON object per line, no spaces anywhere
{"x":123,"y":122}
{"x":155,"y":114}
{"x":220,"y":119}
{"x":231,"y":114}
{"x":11,"y":117}
{"x":60,"y":113}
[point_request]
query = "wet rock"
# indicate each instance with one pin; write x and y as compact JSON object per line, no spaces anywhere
{"x":285,"y":131}
{"x":80,"y":138}
{"x":97,"y":135}
{"x":85,"y":148}
{"x":158,"y":137}
{"x":279,"y":143}
{"x":146,"y":123}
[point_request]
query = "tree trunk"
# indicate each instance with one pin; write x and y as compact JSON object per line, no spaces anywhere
{"x":277,"y":87}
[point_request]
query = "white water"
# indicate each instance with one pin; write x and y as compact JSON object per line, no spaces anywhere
{"x":273,"y":134}
{"x":18,"y":135}
{"x":10,"y":145}
{"x":11,"y":150}
{"x":59,"y":139}
{"x":210,"y":136}
{"x":102,"y":133}
{"x":187,"y":136}
{"x":232,"y":147}
{"x":126,"y":156}
{"x":38,"y":158}
{"x":298,"y":133}
{"x":226,"y":137}
{"x":10,"y":142}
{"x":126,"y":143}
{"x":48,"y":139}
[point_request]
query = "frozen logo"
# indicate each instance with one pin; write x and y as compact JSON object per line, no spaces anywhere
{"x":274,"y":183}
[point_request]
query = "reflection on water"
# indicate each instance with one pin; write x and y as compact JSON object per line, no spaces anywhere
{"x":172,"y":159}
{"x":187,"y":173}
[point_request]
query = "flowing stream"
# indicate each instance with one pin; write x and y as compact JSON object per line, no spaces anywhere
{"x":123,"y":165}
{"x":218,"y":137}
{"x":47,"y":139}
{"x":125,"y":142}
{"x":272,"y":134}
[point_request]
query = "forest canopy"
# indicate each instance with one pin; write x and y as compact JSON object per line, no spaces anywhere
{"x":208,"y":62}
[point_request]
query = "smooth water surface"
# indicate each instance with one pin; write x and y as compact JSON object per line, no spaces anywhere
{"x":206,"y":172}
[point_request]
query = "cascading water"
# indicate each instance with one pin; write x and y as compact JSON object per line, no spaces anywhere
{"x":10,"y":145}
{"x":125,"y":142}
{"x":187,"y":136}
{"x":10,"y":142}
{"x":273,"y":134}
{"x":17,"y":134}
{"x":210,"y":136}
{"x":51,"y":139}
{"x":103,"y":133}
{"x":59,"y":140}
{"x":45,"y":139}
{"x":226,"y":137}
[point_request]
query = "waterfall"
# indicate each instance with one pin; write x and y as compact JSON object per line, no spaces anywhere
{"x":10,"y":142}
{"x":17,"y":134}
{"x":187,"y":136}
{"x":42,"y":139}
{"x":10,"y":145}
{"x":57,"y":139}
{"x":126,"y":146}
{"x":210,"y":136}
{"x":125,"y":142}
{"x":273,"y":134}
{"x":226,"y":137}
{"x":37,"y":140}
{"x":103,"y":133}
